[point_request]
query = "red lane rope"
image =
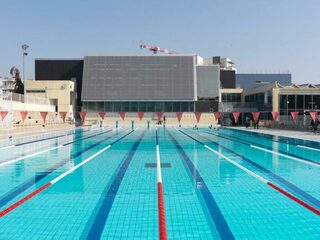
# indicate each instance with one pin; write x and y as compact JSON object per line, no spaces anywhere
{"x":304,"y":204}
{"x":22,"y":200}
{"x":161,"y":213}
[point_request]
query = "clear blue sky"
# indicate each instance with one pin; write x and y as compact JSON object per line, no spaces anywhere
{"x":259,"y":35}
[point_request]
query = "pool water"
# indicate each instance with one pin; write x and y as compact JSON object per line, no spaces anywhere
{"x":217,"y":184}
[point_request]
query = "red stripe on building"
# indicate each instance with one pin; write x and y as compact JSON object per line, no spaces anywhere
{"x":302,"y":203}
{"x":161,"y":214}
{"x":23,"y":200}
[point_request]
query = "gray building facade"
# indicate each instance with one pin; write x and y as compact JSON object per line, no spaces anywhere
{"x":208,"y":82}
{"x":143,"y":78}
{"x":250,"y":80}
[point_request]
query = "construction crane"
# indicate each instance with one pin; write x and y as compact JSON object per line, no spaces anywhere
{"x":156,"y":49}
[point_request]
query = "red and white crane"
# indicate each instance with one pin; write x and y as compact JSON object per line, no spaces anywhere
{"x":156,"y":49}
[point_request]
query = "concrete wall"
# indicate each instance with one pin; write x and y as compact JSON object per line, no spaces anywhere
{"x":58,"y":92}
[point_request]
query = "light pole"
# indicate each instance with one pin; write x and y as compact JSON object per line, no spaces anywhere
{"x":24,"y":53}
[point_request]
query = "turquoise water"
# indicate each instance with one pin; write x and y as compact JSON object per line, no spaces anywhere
{"x":114,"y":195}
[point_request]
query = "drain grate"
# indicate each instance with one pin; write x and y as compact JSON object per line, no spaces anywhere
{"x":154,"y":165}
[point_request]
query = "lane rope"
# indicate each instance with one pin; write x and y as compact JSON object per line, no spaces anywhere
{"x":265,"y":149}
{"x":57,"y":179}
{"x":260,"y":178}
{"x":161,"y":209}
{"x":49,"y":149}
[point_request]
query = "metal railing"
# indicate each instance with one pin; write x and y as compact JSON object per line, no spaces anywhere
{"x":15,"y":97}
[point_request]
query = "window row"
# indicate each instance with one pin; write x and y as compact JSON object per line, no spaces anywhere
{"x":139,"y":106}
{"x":296,"y":102}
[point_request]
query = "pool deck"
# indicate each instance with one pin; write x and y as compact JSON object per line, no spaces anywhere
{"x":35,"y":131}
{"x":285,"y":133}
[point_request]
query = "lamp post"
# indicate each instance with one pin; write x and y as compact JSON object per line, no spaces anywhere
{"x":24,"y":53}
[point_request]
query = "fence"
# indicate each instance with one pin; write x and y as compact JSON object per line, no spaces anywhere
{"x":15,"y":97}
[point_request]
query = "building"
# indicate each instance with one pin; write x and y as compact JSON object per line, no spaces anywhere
{"x":273,"y":97}
{"x":59,"y":93}
{"x":61,"y":69}
{"x":131,"y":83}
{"x":6,"y":85}
{"x":251,"y":80}
{"x":227,"y":70}
{"x":281,"y":98}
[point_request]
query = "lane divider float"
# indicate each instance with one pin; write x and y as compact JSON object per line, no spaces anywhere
{"x":33,"y":180}
{"x":260,"y":178}
{"x":57,"y":179}
{"x":265,"y":149}
{"x":161,"y":210}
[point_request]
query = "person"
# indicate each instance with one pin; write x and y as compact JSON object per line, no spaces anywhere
{"x":315,"y":125}
{"x":247,"y":122}
{"x":164,"y":119}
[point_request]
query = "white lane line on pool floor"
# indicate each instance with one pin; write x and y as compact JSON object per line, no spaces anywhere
{"x":310,"y":148}
{"x":52,"y":182}
{"x":28,"y":156}
{"x":262,"y":179}
{"x":57,"y":179}
{"x":44,"y":151}
{"x":161,"y":210}
{"x":6,"y":147}
{"x":287,"y":156}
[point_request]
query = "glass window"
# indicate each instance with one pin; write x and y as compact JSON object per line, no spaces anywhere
{"x":168,"y":106}
{"x":108,"y":106}
{"x":283,"y":101}
{"x":134,"y":106}
{"x":176,"y":106}
{"x":292,"y":102}
{"x":117,"y":106}
{"x":300,"y":102}
{"x":184,"y":106}
{"x":308,"y":102}
{"x":316,"y":102}
{"x":142,"y":107}
{"x":158,"y":107}
{"x":149,"y":107}
{"x":191,"y":107}
{"x":223,"y":97}
{"x":100,"y":106}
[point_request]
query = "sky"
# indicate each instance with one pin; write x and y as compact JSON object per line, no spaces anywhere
{"x":260,"y":36}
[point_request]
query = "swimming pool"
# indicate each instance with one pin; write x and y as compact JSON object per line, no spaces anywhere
{"x":103,"y":183}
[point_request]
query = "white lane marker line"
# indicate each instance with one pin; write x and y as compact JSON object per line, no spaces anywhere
{"x":287,"y":156}
{"x":43,"y":151}
{"x":52,"y":182}
{"x":274,"y":186}
{"x":158,"y":164}
{"x":11,"y":146}
{"x":310,"y":148}
{"x":29,"y":155}
{"x":238,"y":165}
{"x":57,"y":179}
